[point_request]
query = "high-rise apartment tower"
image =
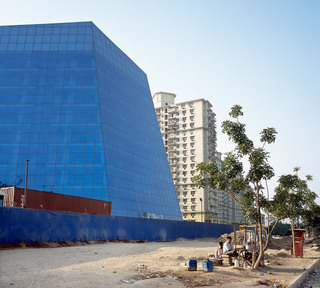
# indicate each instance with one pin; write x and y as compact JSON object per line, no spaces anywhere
{"x":189,"y":135}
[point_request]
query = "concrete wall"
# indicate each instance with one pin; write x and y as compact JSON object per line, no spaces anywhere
{"x":28,"y":225}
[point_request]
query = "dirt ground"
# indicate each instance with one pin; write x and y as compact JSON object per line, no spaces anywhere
{"x":150,"y":264}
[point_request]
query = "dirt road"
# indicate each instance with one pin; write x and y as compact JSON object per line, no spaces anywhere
{"x":153,"y":264}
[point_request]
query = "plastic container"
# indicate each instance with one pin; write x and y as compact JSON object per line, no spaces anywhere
{"x":207,"y":266}
{"x":192,"y":265}
{"x":236,"y":263}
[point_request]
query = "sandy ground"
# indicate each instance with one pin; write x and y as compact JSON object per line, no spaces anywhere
{"x":150,"y":264}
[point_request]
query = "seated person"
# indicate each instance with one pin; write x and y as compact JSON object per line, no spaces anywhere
{"x":229,"y":250}
{"x":219,"y":251}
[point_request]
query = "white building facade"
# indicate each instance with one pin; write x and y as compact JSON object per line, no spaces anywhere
{"x":189,"y":135}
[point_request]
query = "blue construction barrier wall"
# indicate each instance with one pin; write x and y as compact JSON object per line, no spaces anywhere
{"x":28,"y":225}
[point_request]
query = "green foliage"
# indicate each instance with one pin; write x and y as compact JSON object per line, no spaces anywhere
{"x":282,"y":229}
{"x":231,"y":178}
{"x":259,"y":167}
{"x":309,"y":177}
{"x":296,"y":169}
{"x":232,"y":167}
{"x":209,"y":174}
{"x":239,"y":185}
{"x":237,"y":134}
{"x":268,"y":135}
{"x":292,"y":197}
{"x":236,"y":111}
{"x":311,"y":216}
{"x":248,"y":205}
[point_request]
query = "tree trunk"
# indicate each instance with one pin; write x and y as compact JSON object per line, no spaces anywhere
{"x":307,"y":234}
{"x":260,"y":257}
{"x":293,"y":236}
{"x":313,"y":233}
{"x":235,"y":237}
{"x":270,"y":234}
{"x":268,"y":212}
{"x":254,"y":248}
{"x":308,"y":230}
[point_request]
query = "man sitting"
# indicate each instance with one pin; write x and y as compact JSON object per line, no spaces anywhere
{"x":229,"y":250}
{"x":219,"y":251}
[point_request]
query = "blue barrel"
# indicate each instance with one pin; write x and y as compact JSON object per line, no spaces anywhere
{"x":192,"y":264}
{"x":207,"y":266}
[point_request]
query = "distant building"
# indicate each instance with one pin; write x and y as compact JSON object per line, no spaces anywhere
{"x":189,"y":136}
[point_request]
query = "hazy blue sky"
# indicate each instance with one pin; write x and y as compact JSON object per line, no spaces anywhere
{"x":263,"y":55}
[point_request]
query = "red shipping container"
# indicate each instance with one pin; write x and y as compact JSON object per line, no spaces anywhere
{"x":60,"y":202}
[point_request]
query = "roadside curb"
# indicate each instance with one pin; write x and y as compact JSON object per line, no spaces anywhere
{"x":300,"y":279}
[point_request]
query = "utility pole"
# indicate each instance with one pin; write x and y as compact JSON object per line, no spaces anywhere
{"x":201,"y":208}
{"x":26,"y":185}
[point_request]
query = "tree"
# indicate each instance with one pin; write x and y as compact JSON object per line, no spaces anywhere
{"x":280,"y":229}
{"x":244,"y":187}
{"x":311,"y":218}
{"x":292,"y":199}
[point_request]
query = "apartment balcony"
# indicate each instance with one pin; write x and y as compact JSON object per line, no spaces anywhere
{"x":212,"y":141}
{"x":172,"y":123}
{"x":172,"y":128}
{"x":172,"y":136}
{"x":172,"y":109}
{"x":211,"y":149}
{"x":214,"y":194}
{"x":213,"y":204}
{"x":213,"y":210}
{"x":172,"y":156}
{"x":212,"y":120}
{"x":213,"y":198}
{"x":209,"y":110}
{"x":175,"y":178}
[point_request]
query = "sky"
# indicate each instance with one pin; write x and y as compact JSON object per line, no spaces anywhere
{"x":262,"y":55}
